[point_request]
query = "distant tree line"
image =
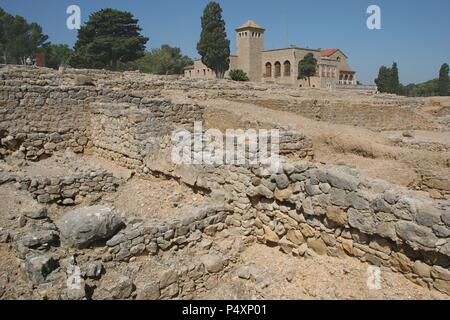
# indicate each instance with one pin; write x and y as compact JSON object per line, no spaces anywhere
{"x":19,"y":39}
{"x":110,"y":39}
{"x":164,"y":60}
{"x":388,"y":82}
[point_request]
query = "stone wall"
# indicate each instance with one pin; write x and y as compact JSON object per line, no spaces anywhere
{"x":153,"y":235}
{"x":66,"y":190}
{"x":380,"y":113}
{"x":335,"y":211}
{"x":37,"y":119}
{"x":329,"y":209}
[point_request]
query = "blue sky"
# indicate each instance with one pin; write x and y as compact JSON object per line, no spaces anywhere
{"x":415,"y":33}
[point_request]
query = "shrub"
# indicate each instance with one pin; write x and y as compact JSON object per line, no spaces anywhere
{"x":238,"y":75}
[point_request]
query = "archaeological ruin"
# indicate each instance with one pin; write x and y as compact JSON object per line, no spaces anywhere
{"x":92,"y":207}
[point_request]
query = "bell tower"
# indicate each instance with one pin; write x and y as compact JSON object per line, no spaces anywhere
{"x":250,"y":43}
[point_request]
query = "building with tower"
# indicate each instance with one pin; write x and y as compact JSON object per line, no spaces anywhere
{"x":280,"y":65}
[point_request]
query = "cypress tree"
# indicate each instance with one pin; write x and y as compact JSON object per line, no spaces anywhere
{"x":214,"y":47}
{"x":444,"y":81}
{"x":394,"y":82}
{"x":383,"y":79}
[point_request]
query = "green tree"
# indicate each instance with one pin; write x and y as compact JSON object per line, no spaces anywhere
{"x":307,"y":67}
{"x":394,"y":82}
{"x":214,"y":47}
{"x":109,"y":37}
{"x":169,"y":60}
{"x":238,"y":75}
{"x":57,"y":55}
{"x":444,"y":81}
{"x":383,"y":80}
{"x":164,"y":60}
{"x":19,"y":39}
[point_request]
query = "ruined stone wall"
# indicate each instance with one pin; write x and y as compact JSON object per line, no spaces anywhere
{"x":127,"y":133}
{"x":334,"y":211}
{"x":154,"y":235}
{"x":329,"y":209}
{"x":37,"y":118}
{"x":379,"y":114}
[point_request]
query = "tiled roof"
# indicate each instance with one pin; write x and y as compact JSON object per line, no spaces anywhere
{"x":330,"y":52}
{"x":250,"y":24}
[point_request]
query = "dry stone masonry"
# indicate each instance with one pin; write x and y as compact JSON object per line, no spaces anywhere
{"x":305,"y":208}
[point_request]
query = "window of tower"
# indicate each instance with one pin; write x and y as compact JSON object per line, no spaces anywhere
{"x":277,"y":69}
{"x":287,"y":69}
{"x":268,"y":70}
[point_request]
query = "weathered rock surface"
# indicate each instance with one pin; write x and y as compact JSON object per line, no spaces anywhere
{"x":82,"y":227}
{"x":39,"y":267}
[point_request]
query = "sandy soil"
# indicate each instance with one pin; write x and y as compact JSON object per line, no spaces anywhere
{"x":373,"y":153}
{"x":152,"y":198}
{"x":279,"y":276}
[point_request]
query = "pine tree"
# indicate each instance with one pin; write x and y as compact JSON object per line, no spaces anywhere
{"x":19,"y":39}
{"x":444,"y":81}
{"x":214,"y":47}
{"x":109,"y":37}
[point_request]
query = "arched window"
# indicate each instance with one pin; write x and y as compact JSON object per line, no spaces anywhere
{"x":268,"y":70}
{"x":277,"y":69}
{"x":287,"y":69}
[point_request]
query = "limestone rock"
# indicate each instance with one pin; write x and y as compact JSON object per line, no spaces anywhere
{"x":361,"y":221}
{"x":39,"y":267}
{"x":416,"y":234}
{"x":446,"y":217}
{"x":337,"y":216}
{"x":270,"y":236}
{"x":39,"y":238}
{"x":422,"y":269}
{"x":264,"y":191}
{"x":33,"y":210}
{"x":84,"y":81}
{"x":318,"y":245}
{"x":82,"y":227}
{"x":442,"y":285}
{"x":169,"y":277}
{"x":438,"y":272}
{"x":150,"y":291}
{"x":342,"y":180}
{"x":295,"y":236}
{"x":282,"y":181}
{"x":428,"y":216}
{"x":117,"y":286}
{"x":212,"y":263}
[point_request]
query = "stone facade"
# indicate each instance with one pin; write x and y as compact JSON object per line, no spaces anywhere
{"x":280,"y":65}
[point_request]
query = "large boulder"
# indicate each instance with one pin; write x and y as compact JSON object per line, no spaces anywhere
{"x":81,"y":228}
